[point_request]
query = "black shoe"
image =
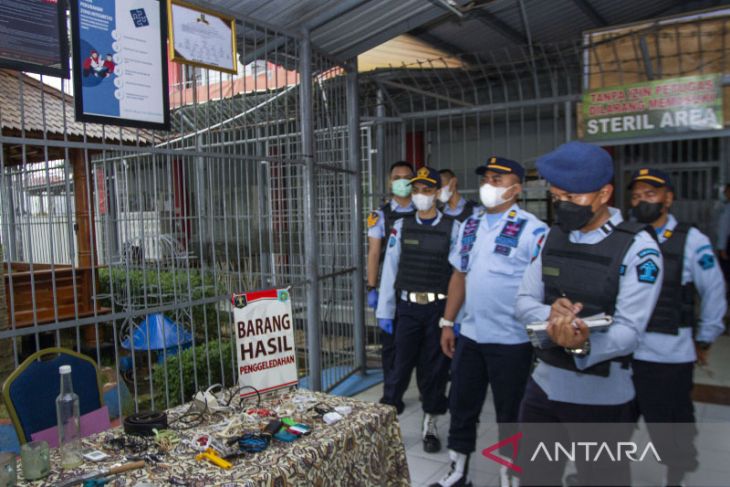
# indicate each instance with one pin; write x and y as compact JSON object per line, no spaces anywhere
{"x":431,"y":444}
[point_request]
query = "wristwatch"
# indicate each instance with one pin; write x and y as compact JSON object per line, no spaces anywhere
{"x":581,"y":351}
{"x":703,"y":345}
{"x":444,"y":323}
{"x":370,"y":288}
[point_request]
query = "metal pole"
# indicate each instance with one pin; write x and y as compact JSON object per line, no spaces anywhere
{"x":311,"y":235}
{"x":356,"y":230}
{"x":11,"y":235}
{"x":568,"y":121}
{"x":380,"y":143}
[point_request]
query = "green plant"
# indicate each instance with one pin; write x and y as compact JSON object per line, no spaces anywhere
{"x":163,"y":287}
{"x":208,"y":360}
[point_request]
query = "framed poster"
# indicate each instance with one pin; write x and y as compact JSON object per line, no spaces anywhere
{"x":120,"y":62}
{"x":33,"y":36}
{"x":202,"y":37}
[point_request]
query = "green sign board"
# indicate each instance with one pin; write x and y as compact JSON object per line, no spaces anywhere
{"x":675,"y":105}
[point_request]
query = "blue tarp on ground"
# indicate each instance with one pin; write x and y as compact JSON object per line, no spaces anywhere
{"x":158,"y":332}
{"x":351,"y":386}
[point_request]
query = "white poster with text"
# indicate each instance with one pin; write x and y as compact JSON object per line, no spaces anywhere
{"x":265,"y":351}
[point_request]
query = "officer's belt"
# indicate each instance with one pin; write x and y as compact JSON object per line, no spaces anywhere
{"x":421,"y":298}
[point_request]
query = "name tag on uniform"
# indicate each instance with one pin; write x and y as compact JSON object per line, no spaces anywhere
{"x":502,"y":249}
{"x":551,"y":271}
{"x":409,"y":241}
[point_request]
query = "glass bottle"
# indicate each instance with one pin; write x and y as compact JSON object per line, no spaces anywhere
{"x":67,"y":414}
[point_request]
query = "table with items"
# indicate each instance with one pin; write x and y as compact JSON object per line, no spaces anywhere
{"x":293,"y":437}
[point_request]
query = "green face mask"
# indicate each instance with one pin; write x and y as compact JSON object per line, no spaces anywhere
{"x":400,"y":187}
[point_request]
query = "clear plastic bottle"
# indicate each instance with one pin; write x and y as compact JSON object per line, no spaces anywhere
{"x":67,"y":414}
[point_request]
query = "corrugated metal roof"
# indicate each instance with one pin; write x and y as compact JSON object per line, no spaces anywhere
{"x":345,"y":28}
{"x":500,"y":24}
{"x":341,"y":28}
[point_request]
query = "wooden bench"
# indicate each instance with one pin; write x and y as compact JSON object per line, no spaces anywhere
{"x":68,"y":291}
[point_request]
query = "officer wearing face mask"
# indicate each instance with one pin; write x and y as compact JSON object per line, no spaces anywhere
{"x":414,"y":284}
{"x":454,"y":205}
{"x":492,"y":251}
{"x":664,"y":362}
{"x":592,"y":262}
{"x":380,"y":223}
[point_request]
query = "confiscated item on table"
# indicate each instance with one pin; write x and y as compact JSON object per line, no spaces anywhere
{"x":211,"y":456}
{"x":100,"y":474}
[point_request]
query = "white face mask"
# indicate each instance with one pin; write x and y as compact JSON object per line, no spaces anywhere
{"x":445,"y":194}
{"x":492,"y":196}
{"x":422,"y":202}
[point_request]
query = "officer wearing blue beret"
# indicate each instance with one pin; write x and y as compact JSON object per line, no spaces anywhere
{"x":413,"y":285}
{"x":380,"y":222}
{"x":492,"y":251}
{"x":664,"y":362}
{"x":592,"y":262}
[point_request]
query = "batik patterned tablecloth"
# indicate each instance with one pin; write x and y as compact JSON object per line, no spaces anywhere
{"x":364,"y":449}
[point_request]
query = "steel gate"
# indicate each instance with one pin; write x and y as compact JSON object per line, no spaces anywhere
{"x":256,"y":185}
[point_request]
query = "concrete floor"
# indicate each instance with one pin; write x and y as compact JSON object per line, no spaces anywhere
{"x":426,"y":468}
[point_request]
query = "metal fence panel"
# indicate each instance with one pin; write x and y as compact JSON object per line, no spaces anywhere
{"x":103,"y":226}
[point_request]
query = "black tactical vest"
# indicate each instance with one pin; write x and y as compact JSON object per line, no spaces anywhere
{"x":675,"y":306}
{"x":390,"y":216}
{"x":466,"y":212}
{"x":589,"y":274}
{"x":424,"y":259}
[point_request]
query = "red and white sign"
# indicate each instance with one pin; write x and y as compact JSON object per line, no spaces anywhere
{"x":265,"y":351}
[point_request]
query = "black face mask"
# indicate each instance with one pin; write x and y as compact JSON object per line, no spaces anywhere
{"x":646,"y":212}
{"x":571,"y":216}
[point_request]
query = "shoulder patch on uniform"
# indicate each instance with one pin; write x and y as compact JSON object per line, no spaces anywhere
{"x":538,"y":248}
{"x":391,"y":241}
{"x":646,"y":252}
{"x":707,"y":261}
{"x":373,"y":218}
{"x":703,"y":248}
{"x":647,"y":271}
{"x":539,"y":230}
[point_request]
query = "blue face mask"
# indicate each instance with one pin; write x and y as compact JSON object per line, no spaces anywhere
{"x":400,"y":187}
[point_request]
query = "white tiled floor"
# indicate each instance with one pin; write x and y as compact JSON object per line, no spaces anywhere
{"x":426,"y":468}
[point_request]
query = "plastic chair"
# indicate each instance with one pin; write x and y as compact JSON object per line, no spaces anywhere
{"x":30,"y":391}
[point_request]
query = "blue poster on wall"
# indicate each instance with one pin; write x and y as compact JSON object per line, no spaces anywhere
{"x":120,"y":62}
